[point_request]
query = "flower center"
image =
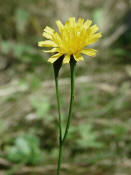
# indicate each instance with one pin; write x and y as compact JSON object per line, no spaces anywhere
{"x":72,"y":40}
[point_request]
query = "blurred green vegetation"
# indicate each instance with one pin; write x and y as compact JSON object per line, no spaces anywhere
{"x":99,"y":140}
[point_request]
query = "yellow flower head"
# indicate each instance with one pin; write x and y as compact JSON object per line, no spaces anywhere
{"x":72,"y":39}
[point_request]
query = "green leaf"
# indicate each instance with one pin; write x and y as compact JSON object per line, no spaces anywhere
{"x":97,"y":15}
{"x":22,"y":17}
{"x":41,"y":105}
{"x":6,"y":47}
{"x":26,"y":149}
{"x":88,"y":138}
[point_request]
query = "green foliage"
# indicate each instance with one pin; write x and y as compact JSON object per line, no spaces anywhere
{"x":1,"y":126}
{"x":87,"y":98}
{"x":6,"y":47}
{"x":88,"y":137}
{"x":26,"y":149}
{"x":35,"y":82}
{"x":22,"y":17}
{"x":120,"y":52}
{"x":97,"y":15}
{"x":100,"y":125}
{"x":85,"y":137}
{"x":42,"y":107}
{"x":118,"y":102}
{"x":18,"y":49}
{"x":23,"y":52}
{"x":118,"y":131}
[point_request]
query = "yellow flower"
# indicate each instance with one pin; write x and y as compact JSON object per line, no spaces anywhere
{"x":72,"y":39}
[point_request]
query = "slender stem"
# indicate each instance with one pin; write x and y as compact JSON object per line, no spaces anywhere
{"x":57,"y":65}
{"x":61,"y":140}
{"x":72,"y":69}
{"x":60,"y":129}
{"x":59,"y":158}
{"x":59,"y":111}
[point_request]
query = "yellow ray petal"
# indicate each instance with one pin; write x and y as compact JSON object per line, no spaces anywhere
{"x":80,"y":21}
{"x":47,"y":43}
{"x":52,"y":50}
{"x":59,"y":25}
{"x":91,"y":41}
{"x":52,"y":60}
{"x":54,"y":57}
{"x":87,"y":23}
{"x":94,"y":28}
{"x":72,"y":21}
{"x":94,"y":38}
{"x":47,"y":35}
{"x":78,"y":57}
{"x":49,"y":30}
{"x":57,"y":38}
{"x":66,"y":59}
{"x":89,"y":52}
{"x":97,"y":35}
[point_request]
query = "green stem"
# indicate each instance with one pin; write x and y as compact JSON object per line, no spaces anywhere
{"x":59,"y":111}
{"x":62,"y":140}
{"x":72,"y":69}
{"x":60,"y":129}
{"x":59,"y":158}
{"x":57,"y":65}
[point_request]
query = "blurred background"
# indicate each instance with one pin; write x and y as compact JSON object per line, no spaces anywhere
{"x":99,"y":141}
